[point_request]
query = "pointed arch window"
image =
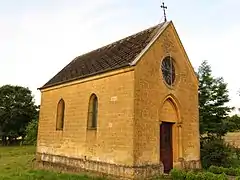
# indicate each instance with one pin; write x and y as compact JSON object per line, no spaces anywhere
{"x":92,"y":112}
{"x":60,"y":115}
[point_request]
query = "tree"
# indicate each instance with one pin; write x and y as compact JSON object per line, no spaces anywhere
{"x":213,"y":96}
{"x":31,"y":132}
{"x":17,"y":109}
{"x":214,"y":151}
{"x":214,"y":118}
{"x":233,"y":123}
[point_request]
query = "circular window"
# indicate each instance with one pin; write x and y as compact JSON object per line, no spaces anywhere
{"x":168,"y":70}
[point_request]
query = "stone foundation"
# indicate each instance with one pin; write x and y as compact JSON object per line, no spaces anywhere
{"x":190,"y":165}
{"x":100,"y":168}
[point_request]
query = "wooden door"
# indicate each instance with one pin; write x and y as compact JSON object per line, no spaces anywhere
{"x":166,"y":151}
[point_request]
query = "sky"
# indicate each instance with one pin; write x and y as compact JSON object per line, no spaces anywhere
{"x":38,"y":38}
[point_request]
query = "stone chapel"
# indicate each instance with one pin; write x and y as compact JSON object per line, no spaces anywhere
{"x":128,"y":109}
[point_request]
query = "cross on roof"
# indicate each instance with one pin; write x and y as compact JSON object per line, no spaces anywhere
{"x":164,"y":7}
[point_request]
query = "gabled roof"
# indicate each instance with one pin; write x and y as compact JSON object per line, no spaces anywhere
{"x":110,"y":57}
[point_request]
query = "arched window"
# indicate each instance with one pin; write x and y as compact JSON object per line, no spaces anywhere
{"x":60,"y":115}
{"x":92,"y":112}
{"x":168,"y":70}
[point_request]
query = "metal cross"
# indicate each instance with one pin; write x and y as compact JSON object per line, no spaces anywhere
{"x":164,"y":7}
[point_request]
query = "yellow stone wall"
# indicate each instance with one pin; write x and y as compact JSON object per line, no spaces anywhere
{"x":181,"y":107}
{"x":132,"y":104}
{"x":113,"y":140}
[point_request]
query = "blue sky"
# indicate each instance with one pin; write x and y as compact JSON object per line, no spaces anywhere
{"x":38,"y":38}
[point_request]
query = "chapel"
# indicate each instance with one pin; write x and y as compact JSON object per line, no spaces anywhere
{"x":128,"y":109}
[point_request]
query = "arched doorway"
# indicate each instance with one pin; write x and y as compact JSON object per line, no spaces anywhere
{"x":168,"y":133}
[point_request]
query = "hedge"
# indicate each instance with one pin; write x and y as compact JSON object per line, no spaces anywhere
{"x":190,"y":175}
{"x":229,"y":171}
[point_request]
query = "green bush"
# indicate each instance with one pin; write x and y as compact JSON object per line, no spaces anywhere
{"x":229,"y":171}
{"x":31,"y":133}
{"x":215,"y":169}
{"x":190,"y":175}
{"x":235,"y":157}
{"x":215,"y":151}
{"x":222,"y":176}
{"x":178,"y":174}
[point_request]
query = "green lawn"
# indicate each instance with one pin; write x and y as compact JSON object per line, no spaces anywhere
{"x":16,"y":164}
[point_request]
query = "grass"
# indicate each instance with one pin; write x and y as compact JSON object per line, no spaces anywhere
{"x":16,"y":164}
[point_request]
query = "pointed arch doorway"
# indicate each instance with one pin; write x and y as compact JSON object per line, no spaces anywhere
{"x":166,"y":146}
{"x":169,"y":136}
